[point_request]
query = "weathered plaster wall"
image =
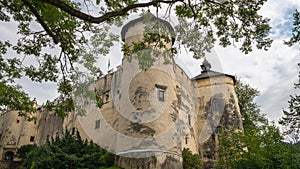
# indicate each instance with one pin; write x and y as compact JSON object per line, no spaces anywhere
{"x":218,"y":109}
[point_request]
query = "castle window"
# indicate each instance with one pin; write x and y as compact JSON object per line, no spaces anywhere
{"x":106,"y":97}
{"x":189,"y":119}
{"x":161,"y":92}
{"x":161,"y":95}
{"x":186,"y":139}
{"x":97,"y":124}
{"x":73,"y":131}
{"x":18,"y":121}
{"x":9,"y":156}
{"x":31,"y":139}
{"x":215,"y":105}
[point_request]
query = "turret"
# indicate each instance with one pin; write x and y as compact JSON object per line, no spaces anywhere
{"x":135,"y":30}
{"x":218,"y":110}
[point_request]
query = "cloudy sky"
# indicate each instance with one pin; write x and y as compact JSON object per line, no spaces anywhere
{"x":272,"y":72}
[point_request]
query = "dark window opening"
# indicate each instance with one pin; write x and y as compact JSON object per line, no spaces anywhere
{"x":34,"y":122}
{"x":73,"y":131}
{"x":106,"y":97}
{"x":31,"y":139}
{"x":189,"y":118}
{"x":9,"y":156}
{"x":97,"y":124}
{"x":18,"y":121}
{"x":218,"y":130}
{"x":186,"y":140}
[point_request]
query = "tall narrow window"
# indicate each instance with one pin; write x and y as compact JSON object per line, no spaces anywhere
{"x":189,"y":119}
{"x":73,"y":130}
{"x":97,"y":124}
{"x":215,"y":105}
{"x":161,"y":95}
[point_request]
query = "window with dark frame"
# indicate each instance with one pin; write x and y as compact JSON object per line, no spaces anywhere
{"x":161,"y":92}
{"x":97,"y":124}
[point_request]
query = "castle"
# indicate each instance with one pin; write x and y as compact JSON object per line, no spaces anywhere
{"x":148,"y":116}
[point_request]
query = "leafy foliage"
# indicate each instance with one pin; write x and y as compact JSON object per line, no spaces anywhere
{"x":259,"y":149}
{"x":67,"y":152}
{"x":65,"y":39}
{"x":295,"y":31}
{"x":190,"y":160}
{"x":249,"y":109}
{"x":291,"y":119}
{"x":260,"y":145}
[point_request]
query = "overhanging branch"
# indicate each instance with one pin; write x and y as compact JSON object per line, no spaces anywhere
{"x":89,"y":18}
{"x":40,"y":20}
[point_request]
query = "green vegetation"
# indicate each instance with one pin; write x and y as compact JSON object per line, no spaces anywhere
{"x":291,"y":119}
{"x":260,"y":145}
{"x":190,"y":160}
{"x":70,"y":151}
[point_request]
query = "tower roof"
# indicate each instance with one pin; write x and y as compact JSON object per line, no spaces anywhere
{"x":207,"y":73}
{"x":142,"y":19}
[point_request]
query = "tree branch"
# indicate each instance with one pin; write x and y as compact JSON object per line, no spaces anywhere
{"x":40,"y":20}
{"x":77,"y":13}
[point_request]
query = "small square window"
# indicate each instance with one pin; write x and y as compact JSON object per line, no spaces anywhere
{"x":97,"y":124}
{"x":31,"y":139}
{"x":18,"y":121}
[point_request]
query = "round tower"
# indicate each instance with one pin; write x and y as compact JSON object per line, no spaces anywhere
{"x":218,"y":110}
{"x":147,"y":112}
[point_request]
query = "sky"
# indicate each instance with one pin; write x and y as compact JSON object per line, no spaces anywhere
{"x":272,"y":72}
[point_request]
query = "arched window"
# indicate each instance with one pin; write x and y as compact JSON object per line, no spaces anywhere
{"x":9,"y":156}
